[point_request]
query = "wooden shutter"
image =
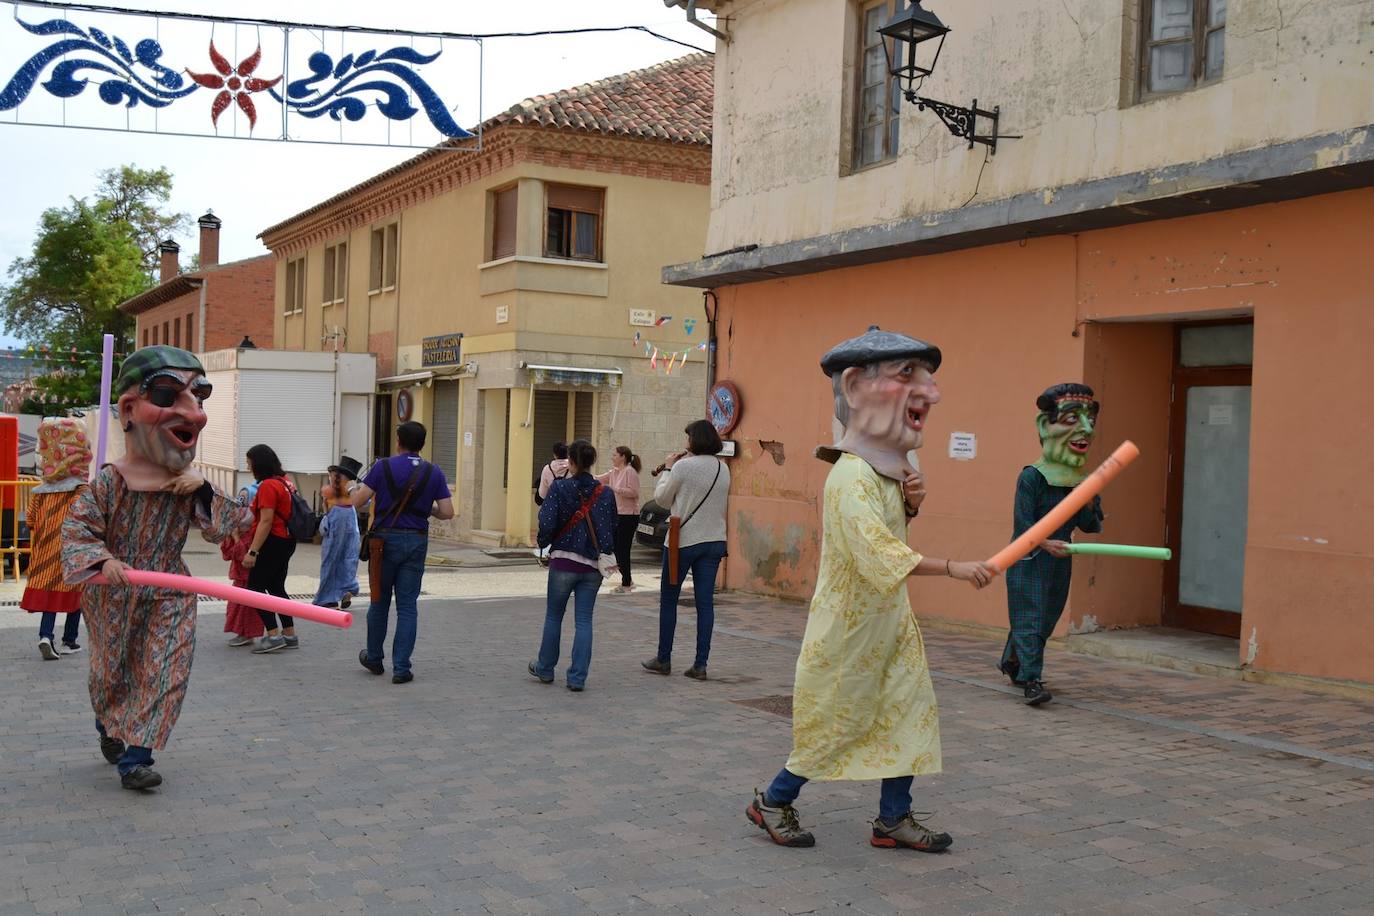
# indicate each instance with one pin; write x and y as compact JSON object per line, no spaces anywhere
{"x":504,"y":210}
{"x":568,"y":197}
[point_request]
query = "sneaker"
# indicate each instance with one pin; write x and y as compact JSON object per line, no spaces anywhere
{"x":141,"y":777}
{"x":1036,"y":694}
{"x":374,"y":667}
{"x":622,"y":590}
{"x":269,"y":644}
{"x":47,"y":650}
{"x":346,"y":601}
{"x":402,"y":678}
{"x":111,"y":749}
{"x":909,"y":833}
{"x":70,"y":648}
{"x":292,"y":642}
{"x":780,"y":823}
{"x":238,"y":641}
{"x":695,"y":673}
{"x":534,"y":672}
{"x":576,"y":688}
{"x":656,"y":666}
{"x":1011,"y":668}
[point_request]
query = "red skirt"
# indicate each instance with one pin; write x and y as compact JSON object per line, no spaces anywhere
{"x":50,"y":601}
{"x":241,"y":619}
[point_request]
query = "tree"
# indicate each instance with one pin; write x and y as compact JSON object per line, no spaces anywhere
{"x":87,"y":258}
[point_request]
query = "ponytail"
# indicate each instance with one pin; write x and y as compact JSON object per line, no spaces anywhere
{"x":630,"y":457}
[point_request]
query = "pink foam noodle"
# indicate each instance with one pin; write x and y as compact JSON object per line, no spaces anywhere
{"x":326,"y":615}
{"x":1078,"y":497}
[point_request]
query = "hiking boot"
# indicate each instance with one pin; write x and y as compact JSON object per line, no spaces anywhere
{"x":292,"y":642}
{"x":141,"y":777}
{"x":48,"y":650}
{"x":1036,"y":693}
{"x":656,"y":666}
{"x":780,"y":823}
{"x":111,"y":749}
{"x":374,"y":667}
{"x":70,"y":648}
{"x":534,"y":672}
{"x":695,"y":673}
{"x":238,"y":641}
{"x":909,"y":833}
{"x":269,"y":644}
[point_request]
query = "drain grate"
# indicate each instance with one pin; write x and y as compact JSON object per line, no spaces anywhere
{"x":777,"y":705}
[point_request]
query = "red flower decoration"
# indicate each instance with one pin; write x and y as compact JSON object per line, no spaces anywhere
{"x":234,"y":83}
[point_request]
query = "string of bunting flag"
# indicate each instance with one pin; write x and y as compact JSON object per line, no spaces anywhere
{"x":670,"y":358}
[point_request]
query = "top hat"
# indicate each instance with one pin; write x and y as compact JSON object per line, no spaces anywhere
{"x":349,"y":467}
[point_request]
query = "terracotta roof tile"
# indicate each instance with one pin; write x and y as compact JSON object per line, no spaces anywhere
{"x":668,"y":101}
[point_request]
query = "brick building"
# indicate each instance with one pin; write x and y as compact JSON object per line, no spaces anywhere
{"x":211,"y":308}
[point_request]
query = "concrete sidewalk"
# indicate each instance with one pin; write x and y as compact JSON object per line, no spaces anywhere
{"x":300,"y":782}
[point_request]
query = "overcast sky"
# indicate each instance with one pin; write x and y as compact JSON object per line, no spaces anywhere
{"x":251,"y":184}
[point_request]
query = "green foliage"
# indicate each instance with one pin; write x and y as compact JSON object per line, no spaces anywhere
{"x":87,"y":258}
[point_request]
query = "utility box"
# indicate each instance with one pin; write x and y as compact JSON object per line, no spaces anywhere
{"x":311,"y":408}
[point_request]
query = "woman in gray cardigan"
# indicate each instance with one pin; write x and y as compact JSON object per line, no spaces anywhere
{"x":695,"y":485}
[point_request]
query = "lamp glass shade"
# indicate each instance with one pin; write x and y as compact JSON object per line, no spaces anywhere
{"x":914,"y":39}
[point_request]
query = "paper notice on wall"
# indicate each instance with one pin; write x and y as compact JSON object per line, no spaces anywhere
{"x":963,"y":446}
{"x":467,"y":438}
{"x":502,"y":314}
{"x":1219,"y":415}
{"x":642,"y":317}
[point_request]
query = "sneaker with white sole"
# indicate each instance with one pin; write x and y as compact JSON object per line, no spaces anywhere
{"x":69,"y":648}
{"x":239,"y":641}
{"x":269,"y":644}
{"x":48,"y":650}
{"x":292,"y":642}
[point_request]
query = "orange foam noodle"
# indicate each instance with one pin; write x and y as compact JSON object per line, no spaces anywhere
{"x":260,"y":600}
{"x":1078,"y":497}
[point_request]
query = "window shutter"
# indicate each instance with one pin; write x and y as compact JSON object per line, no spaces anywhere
{"x":504,"y":209}
{"x":567,"y":197}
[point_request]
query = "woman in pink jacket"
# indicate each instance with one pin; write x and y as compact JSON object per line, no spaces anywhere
{"x":623,"y":479}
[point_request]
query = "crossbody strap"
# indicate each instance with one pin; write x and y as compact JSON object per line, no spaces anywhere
{"x":409,"y":492}
{"x":581,"y":513}
{"x":704,"y":498}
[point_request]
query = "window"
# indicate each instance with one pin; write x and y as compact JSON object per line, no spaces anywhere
{"x":383,"y":265}
{"x":335,"y":273}
{"x":295,"y":286}
{"x":176,"y":332}
{"x":573,"y":227}
{"x":876,"y":116}
{"x":1184,"y":44}
{"x":503,"y":214}
{"x":191,"y":342}
{"x":145,"y":337}
{"x":166,"y":334}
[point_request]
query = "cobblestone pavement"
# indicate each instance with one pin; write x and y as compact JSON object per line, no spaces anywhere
{"x":299,"y":782}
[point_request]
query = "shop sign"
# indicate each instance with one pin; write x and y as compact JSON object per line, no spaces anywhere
{"x":444,"y":350}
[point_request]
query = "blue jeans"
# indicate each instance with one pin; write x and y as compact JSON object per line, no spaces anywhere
{"x":583,"y":586}
{"x":702,"y":560}
{"x":47,"y":623}
{"x":133,"y":756}
{"x":403,"y":568}
{"x":894,"y":803}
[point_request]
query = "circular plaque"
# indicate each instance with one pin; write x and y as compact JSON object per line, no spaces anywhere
{"x":723,"y":407}
{"x":405,"y":405}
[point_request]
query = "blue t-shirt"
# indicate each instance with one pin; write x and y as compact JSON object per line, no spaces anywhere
{"x":416,"y":515}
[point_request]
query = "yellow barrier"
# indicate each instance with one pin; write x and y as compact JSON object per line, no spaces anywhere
{"x":11,"y":551}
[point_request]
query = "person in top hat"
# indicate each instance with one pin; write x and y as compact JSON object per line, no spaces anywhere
{"x":136,"y":513}
{"x":339,"y":536}
{"x":863,"y":706}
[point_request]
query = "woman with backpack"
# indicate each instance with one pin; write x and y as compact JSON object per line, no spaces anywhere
{"x":271,"y":545}
{"x":577,"y":522}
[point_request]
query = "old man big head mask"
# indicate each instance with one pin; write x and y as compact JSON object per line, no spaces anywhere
{"x":160,"y":410}
{"x":884,"y":388}
{"x":1067,"y":422}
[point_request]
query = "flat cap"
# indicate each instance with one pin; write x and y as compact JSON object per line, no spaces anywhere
{"x":876,"y":346}
{"x":142,"y":362}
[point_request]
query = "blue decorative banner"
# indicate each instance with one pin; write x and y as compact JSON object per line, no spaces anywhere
{"x":206,"y":76}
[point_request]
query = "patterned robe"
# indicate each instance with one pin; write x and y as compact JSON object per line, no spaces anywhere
{"x":45,"y":590}
{"x":141,"y":639}
{"x":1038,"y":584}
{"x":863,"y":706}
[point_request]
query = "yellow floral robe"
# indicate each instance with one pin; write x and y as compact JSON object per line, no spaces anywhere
{"x":863,"y":706}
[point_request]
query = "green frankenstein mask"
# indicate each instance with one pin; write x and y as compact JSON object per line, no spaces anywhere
{"x":1067,"y":422}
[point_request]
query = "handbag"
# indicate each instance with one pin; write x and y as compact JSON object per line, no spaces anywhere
{"x":606,"y":563}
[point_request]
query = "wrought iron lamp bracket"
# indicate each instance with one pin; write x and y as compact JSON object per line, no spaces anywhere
{"x":963,"y":122}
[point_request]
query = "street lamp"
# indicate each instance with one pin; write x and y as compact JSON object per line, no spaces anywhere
{"x":913,"y":38}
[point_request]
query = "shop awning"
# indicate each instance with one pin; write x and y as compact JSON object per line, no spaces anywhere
{"x":572,"y":375}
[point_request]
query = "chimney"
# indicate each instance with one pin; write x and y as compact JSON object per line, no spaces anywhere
{"x":169,"y":267}
{"x":209,"y":239}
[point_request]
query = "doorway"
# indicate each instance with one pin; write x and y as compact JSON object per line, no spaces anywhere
{"x":1209,"y":476}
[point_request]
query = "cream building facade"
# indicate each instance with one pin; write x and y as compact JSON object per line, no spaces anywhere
{"x":1181,"y":222}
{"x":502,"y":289}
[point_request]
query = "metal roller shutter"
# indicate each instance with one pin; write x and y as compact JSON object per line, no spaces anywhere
{"x":583,"y":414}
{"x":550,"y":426}
{"x":444,"y":436}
